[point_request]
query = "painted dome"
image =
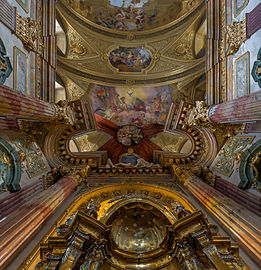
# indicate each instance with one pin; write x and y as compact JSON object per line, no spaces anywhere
{"x":138,"y":228}
{"x":129,"y":15}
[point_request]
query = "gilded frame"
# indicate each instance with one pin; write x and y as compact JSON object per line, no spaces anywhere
{"x":12,"y":139}
{"x":18,"y":52}
{"x":24,"y":4}
{"x":247,"y":74}
{"x":143,"y":70}
{"x":237,"y":10}
{"x":232,"y":156}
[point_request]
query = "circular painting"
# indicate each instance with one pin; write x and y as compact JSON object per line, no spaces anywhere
{"x":129,"y":135}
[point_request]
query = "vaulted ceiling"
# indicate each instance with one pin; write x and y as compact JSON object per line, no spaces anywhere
{"x":132,"y":59}
{"x":159,"y":54}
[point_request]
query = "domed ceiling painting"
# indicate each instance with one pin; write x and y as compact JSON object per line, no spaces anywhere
{"x":128,"y":15}
{"x":137,"y":105}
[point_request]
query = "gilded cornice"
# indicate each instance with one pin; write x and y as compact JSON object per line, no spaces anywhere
{"x":79,"y":74}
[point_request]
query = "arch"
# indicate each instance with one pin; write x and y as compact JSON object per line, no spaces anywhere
{"x":120,"y":244}
{"x":11,"y":166}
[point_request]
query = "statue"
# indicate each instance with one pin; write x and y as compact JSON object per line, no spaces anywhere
{"x":92,"y":208}
{"x":179,"y":210}
{"x":95,"y":256}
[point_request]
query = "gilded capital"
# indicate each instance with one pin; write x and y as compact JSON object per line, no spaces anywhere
{"x":184,"y":175}
{"x":78,"y":175}
{"x":198,"y":116}
{"x":52,"y":177}
{"x":28,"y":31}
{"x":235,"y":36}
{"x":64,"y":112}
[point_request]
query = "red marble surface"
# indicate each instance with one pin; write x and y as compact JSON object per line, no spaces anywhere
{"x":243,"y":109}
{"x":8,"y":123}
{"x":22,"y":224}
{"x":250,"y":201}
{"x":14,"y":200}
{"x":235,"y":219}
{"x":17,"y":105}
{"x":253,"y":21}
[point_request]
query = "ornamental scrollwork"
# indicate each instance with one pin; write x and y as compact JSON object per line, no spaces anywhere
{"x":57,"y":173}
{"x":64,"y":112}
{"x":255,"y":164}
{"x":235,"y":36}
{"x":199,"y":115}
{"x":187,"y":174}
{"x":5,"y":64}
{"x":28,"y":30}
{"x":224,"y":162}
{"x":4,"y":159}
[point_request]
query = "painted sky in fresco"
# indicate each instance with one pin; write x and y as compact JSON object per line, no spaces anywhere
{"x":140,"y":105}
{"x":127,"y":3}
{"x":128,"y":15}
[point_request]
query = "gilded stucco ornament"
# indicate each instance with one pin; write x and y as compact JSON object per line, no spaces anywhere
{"x":156,"y":56}
{"x":79,"y":175}
{"x":222,"y":52}
{"x":4,"y":159}
{"x":184,"y":175}
{"x":128,"y":238}
{"x":199,"y":115}
{"x":187,"y":174}
{"x":5,"y":64}
{"x":162,"y":69}
{"x":64,"y":112}
{"x":28,"y":30}
{"x":131,"y":36}
{"x":255,"y":164}
{"x":235,"y":36}
{"x":78,"y":47}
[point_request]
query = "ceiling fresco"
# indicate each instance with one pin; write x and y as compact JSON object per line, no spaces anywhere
{"x":159,"y":56}
{"x":92,"y":141}
{"x":136,"y":105}
{"x":130,"y":59}
{"x":175,"y":143}
{"x":128,"y":15}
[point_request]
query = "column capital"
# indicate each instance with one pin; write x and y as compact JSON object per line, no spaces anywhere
{"x":200,"y":116}
{"x":185,"y":175}
{"x":78,"y":175}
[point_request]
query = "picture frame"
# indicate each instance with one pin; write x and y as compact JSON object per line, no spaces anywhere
{"x":20,"y":71}
{"x":242,"y":75}
{"x":239,"y":5}
{"x":24,"y":4}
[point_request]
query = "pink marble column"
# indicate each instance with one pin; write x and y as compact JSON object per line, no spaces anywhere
{"x":240,"y":110}
{"x":8,"y":124}
{"x":14,"y":200}
{"x":242,"y":225}
{"x":248,"y":200}
{"x":22,"y":224}
{"x":17,"y":105}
